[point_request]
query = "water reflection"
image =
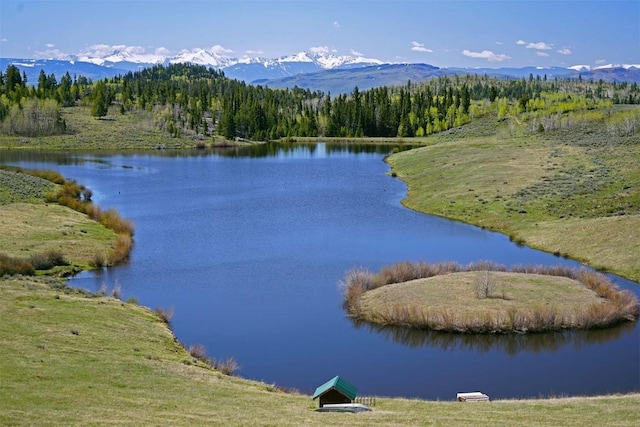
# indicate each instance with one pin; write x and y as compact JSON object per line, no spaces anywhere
{"x":511,"y":344}
{"x":271,"y":149}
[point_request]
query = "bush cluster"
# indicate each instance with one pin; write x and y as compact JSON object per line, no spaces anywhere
{"x":10,"y":266}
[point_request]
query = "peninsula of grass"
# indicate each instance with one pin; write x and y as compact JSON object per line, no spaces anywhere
{"x":48,"y":223}
{"x":572,"y":189}
{"x":486,"y":298}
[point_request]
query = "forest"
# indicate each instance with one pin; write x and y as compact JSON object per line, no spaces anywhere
{"x":196,"y":101}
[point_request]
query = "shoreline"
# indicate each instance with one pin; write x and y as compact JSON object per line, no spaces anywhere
{"x":166,"y":362}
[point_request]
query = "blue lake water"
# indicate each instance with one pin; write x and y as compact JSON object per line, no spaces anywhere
{"x":248,"y":248}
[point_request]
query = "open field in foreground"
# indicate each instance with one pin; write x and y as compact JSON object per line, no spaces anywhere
{"x":74,"y":359}
{"x":573,"y":191}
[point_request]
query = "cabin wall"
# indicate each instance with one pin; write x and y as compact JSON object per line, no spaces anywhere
{"x":332,"y":397}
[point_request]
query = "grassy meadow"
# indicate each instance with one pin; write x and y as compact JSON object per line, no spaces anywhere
{"x":134,"y":130}
{"x":71,"y":358}
{"x":573,"y":190}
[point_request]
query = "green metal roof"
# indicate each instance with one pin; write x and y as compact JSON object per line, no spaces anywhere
{"x":339,"y":384}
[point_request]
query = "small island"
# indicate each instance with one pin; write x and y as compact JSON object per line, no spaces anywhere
{"x":486,"y":298}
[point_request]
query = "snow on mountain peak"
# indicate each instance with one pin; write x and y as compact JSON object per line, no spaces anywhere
{"x":202,"y":57}
{"x":102,"y":53}
{"x":603,"y":67}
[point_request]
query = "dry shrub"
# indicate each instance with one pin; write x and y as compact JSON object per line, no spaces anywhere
{"x":93,"y":211}
{"x":164,"y":315}
{"x":198,"y":351}
{"x":424,"y":270}
{"x":121,"y":248}
{"x":355,"y":283}
{"x":485,"y":266}
{"x":12,"y":266}
{"x":228,"y":366}
{"x":446,"y":268}
{"x":397,"y":273}
{"x":116,"y":292}
{"x":49,"y":175}
{"x":112,"y":220}
{"x":103,"y":289}
{"x":99,"y":260}
{"x":48,"y":259}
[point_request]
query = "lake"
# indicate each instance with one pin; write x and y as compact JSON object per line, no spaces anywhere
{"x":248,"y":246}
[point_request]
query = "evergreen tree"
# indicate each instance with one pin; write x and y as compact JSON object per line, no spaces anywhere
{"x":99,"y":100}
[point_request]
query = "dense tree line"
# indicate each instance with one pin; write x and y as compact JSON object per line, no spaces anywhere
{"x":196,"y":100}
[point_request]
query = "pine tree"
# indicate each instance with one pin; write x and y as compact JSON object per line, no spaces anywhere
{"x":99,"y":100}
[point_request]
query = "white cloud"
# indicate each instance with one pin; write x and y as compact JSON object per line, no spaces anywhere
{"x":539,"y":46}
{"x":253,"y":52}
{"x":521,"y":42}
{"x":486,"y":54}
{"x":4,"y":40}
{"x":52,"y":54}
{"x":162,"y":51}
{"x":499,"y":43}
{"x":50,"y":46}
{"x":564,"y":51}
{"x":356,"y":53}
{"x":419,"y":47}
{"x":319,"y":50}
{"x":336,"y":24}
{"x":543,"y":54}
{"x":601,"y":61}
{"x":104,"y":50}
{"x":220,"y":50}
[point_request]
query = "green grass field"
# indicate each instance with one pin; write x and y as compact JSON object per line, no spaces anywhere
{"x":74,"y":359}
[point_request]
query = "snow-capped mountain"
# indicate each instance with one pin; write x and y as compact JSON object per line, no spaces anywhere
{"x":603,"y":67}
{"x":318,"y":69}
{"x":131,"y":57}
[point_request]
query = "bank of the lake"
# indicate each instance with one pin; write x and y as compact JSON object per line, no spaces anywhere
{"x":50,"y":223}
{"x":72,"y":358}
{"x":573,"y":192}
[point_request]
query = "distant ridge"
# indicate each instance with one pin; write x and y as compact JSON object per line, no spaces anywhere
{"x":315,"y":71}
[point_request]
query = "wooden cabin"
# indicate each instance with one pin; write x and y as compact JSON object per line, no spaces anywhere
{"x":335,"y":391}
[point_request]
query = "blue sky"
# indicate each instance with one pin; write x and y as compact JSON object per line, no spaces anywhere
{"x":508,"y":33}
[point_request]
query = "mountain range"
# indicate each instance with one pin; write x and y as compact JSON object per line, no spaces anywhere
{"x":309,"y":70}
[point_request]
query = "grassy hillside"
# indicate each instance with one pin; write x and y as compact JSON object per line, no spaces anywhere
{"x":573,"y":190}
{"x":74,"y":359}
{"x":115,"y":131}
